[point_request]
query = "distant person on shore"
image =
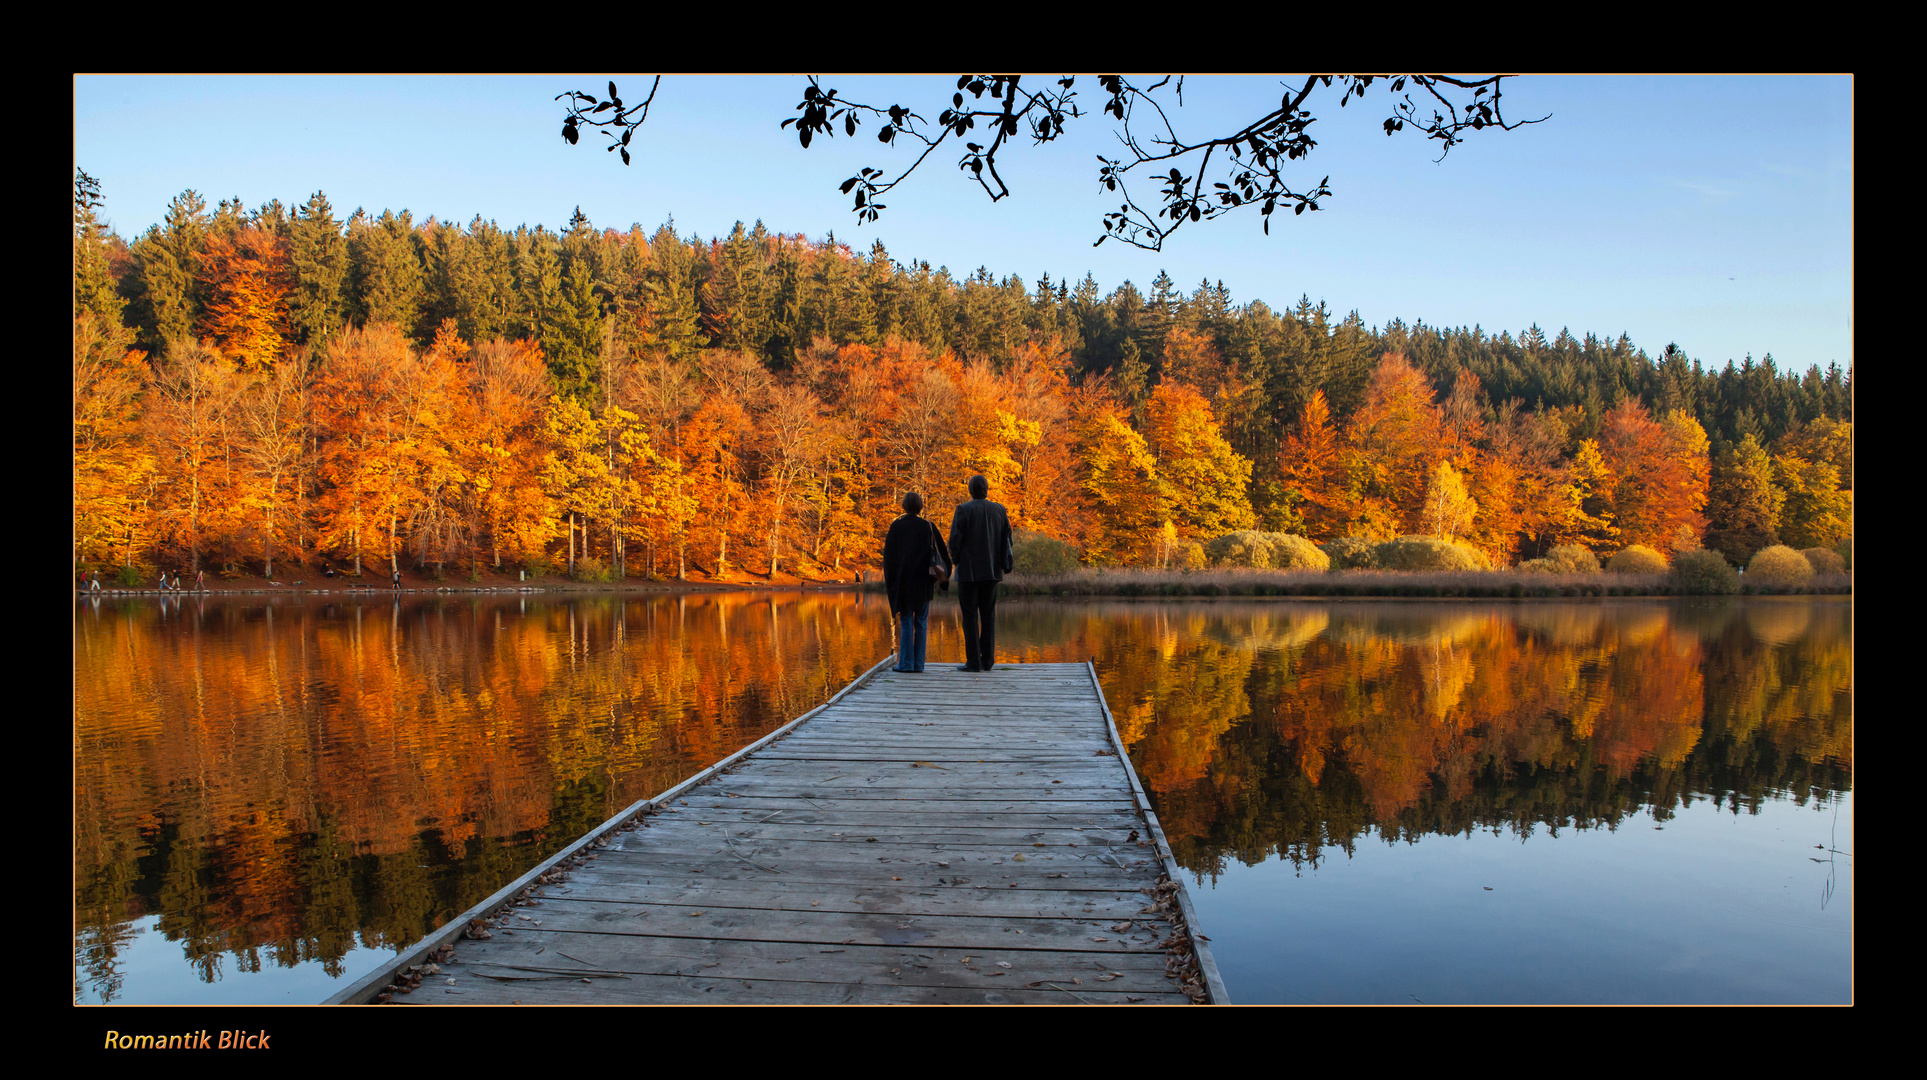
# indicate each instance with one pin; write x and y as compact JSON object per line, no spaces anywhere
{"x":177,"y":581}
{"x":200,"y":581}
{"x":980,"y":541}
{"x":94,"y":584}
{"x":915,"y":561}
{"x":397,"y":579}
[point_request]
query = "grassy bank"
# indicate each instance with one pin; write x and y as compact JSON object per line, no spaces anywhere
{"x":1491,"y":584}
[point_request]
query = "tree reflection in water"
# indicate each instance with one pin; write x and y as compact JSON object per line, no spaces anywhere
{"x":277,"y":783}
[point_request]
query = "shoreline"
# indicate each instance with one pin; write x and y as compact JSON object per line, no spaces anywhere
{"x":1405,"y":586}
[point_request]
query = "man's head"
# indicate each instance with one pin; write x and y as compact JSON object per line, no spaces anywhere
{"x":979,"y":487}
{"x":913,"y":504}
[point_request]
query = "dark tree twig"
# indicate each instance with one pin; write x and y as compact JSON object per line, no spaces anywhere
{"x":1252,"y":159}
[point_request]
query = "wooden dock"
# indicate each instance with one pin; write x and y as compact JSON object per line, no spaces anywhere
{"x":939,"y":838}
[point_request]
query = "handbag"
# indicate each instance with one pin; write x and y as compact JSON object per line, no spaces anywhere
{"x":939,"y":569}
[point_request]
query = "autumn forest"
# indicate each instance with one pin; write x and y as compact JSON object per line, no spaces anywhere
{"x":256,"y":390}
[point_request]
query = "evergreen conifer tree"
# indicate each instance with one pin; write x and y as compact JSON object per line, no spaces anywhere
{"x":319,"y":255}
{"x":385,"y":271}
{"x":168,"y":265}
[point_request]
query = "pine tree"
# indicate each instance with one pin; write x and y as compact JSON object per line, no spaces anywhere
{"x":318,"y":255}
{"x":385,"y":271}
{"x":93,"y":274}
{"x":572,"y":328}
{"x":671,"y":319}
{"x":168,"y":265}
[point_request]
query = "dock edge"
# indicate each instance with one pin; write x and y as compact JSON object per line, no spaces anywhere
{"x":1200,"y":946}
{"x":362,"y":990}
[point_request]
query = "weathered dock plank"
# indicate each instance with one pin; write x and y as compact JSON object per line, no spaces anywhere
{"x":938,"y":838}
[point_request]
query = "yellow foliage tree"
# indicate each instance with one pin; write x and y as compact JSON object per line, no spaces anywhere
{"x":113,"y":470}
{"x":1449,"y":510}
{"x":1121,"y":478}
{"x":1202,"y":480}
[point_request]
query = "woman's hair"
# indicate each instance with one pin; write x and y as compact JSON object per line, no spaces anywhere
{"x":913,"y":503}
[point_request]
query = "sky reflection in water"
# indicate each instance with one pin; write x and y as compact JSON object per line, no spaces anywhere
{"x":270,"y":797}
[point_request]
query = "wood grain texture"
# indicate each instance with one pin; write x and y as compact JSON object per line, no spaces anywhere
{"x":937,"y":838}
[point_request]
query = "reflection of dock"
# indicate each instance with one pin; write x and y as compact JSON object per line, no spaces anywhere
{"x":945,"y":837}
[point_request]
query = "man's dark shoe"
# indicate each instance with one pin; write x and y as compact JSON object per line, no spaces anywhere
{"x":965,"y":667}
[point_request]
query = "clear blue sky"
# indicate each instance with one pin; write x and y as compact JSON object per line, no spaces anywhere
{"x":1715,"y":212}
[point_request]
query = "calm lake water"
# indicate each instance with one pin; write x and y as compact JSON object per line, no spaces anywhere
{"x":1379,"y":802}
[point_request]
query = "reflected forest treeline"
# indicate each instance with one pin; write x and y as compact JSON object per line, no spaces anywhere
{"x":280,"y":782}
{"x":1286,"y":730}
{"x":267,"y":387}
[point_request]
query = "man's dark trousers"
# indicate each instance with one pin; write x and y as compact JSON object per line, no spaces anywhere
{"x":979,"y":602}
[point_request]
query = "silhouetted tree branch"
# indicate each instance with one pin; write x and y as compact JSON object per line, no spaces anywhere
{"x":1250,"y":162}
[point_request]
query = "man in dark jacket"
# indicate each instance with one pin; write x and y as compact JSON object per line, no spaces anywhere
{"x":980,"y":544}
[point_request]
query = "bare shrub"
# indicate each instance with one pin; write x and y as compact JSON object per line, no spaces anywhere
{"x":1036,"y":553}
{"x":1778,"y":565}
{"x":1191,"y":556}
{"x":1704,"y":573}
{"x":1637,"y":559}
{"x":1825,"y":560}
{"x":1431,"y":553}
{"x":1266,"y":551}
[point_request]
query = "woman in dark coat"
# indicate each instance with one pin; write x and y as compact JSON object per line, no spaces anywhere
{"x":908,"y":577}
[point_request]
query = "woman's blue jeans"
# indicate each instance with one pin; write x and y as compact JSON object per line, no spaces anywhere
{"x":912,"y":636}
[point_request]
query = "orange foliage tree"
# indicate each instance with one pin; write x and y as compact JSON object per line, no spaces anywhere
{"x":248,"y":277}
{"x":191,"y":415}
{"x":113,"y":468}
{"x":1660,"y":472}
{"x":1202,"y":480}
{"x":1395,"y":438}
{"x":1311,"y":472}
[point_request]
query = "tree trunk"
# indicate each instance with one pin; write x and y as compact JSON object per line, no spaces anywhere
{"x":194,"y":526}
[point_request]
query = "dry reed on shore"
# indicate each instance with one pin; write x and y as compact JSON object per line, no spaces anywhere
{"x":1088,"y":581}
